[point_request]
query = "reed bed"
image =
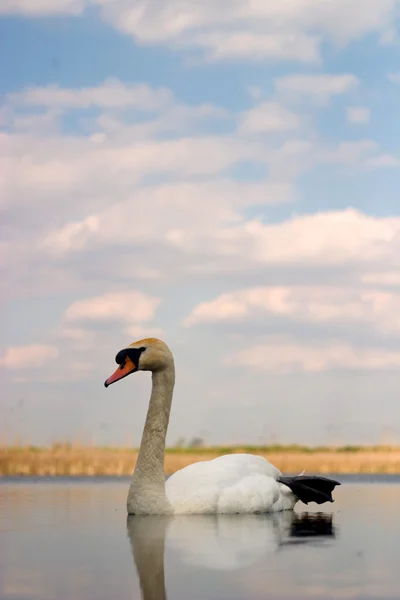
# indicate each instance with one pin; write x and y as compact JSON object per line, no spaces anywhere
{"x":68,"y":460}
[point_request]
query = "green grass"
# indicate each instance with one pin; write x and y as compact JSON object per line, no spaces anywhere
{"x":248,"y":449}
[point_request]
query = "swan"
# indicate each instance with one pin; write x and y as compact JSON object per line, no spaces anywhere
{"x":233,"y":483}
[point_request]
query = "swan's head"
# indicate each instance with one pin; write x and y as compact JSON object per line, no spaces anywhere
{"x":149,"y":354}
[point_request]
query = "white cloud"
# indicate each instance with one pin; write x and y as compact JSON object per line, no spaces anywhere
{"x":112,"y":93}
{"x":127,"y":307}
{"x":32,"y":356}
{"x":383,"y":160}
{"x":280,"y":29}
{"x":268,"y":117}
{"x":380,"y":310}
{"x":358,"y":115}
{"x":72,"y":174}
{"x":151,"y":111}
{"x":254,"y":46}
{"x":46,"y":123}
{"x":326,"y":238}
{"x":188,"y":205}
{"x":202,"y":233}
{"x":41,"y":7}
{"x":72,"y":236}
{"x":319,"y":87}
{"x":285,"y":356}
{"x":351,"y":152}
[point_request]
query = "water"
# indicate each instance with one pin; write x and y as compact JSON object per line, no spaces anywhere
{"x":70,"y":539}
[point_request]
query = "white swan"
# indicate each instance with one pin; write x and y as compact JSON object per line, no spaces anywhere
{"x":235,"y":483}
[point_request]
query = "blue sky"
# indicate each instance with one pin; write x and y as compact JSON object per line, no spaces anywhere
{"x":226,"y":180}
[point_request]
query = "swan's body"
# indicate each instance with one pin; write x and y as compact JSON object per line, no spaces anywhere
{"x":235,"y":483}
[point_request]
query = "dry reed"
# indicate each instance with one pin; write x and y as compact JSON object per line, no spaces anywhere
{"x":67,"y":460}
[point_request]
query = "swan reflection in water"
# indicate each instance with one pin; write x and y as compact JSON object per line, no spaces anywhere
{"x":217,"y":542}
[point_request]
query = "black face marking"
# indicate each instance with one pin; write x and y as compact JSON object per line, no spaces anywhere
{"x":132,"y":353}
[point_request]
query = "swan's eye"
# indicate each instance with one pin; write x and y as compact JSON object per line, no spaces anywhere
{"x":122,"y":365}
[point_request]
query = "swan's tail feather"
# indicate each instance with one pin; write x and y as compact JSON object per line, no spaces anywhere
{"x":311,"y":488}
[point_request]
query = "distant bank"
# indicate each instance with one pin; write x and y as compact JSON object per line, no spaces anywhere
{"x":66,"y":459}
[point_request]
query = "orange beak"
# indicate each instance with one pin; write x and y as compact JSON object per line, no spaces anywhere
{"x":123,"y":370}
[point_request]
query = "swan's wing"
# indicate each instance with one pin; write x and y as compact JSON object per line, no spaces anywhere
{"x":237,"y":483}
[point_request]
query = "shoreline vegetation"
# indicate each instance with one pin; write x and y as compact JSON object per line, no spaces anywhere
{"x":65,"y":459}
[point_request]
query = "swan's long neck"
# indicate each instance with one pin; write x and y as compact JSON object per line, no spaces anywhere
{"x":150,"y":462}
{"x":147,"y":490}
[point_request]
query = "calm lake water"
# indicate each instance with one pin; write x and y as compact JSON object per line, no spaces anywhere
{"x":70,"y":539}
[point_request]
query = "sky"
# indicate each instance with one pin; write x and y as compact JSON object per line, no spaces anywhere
{"x":222,"y":175}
